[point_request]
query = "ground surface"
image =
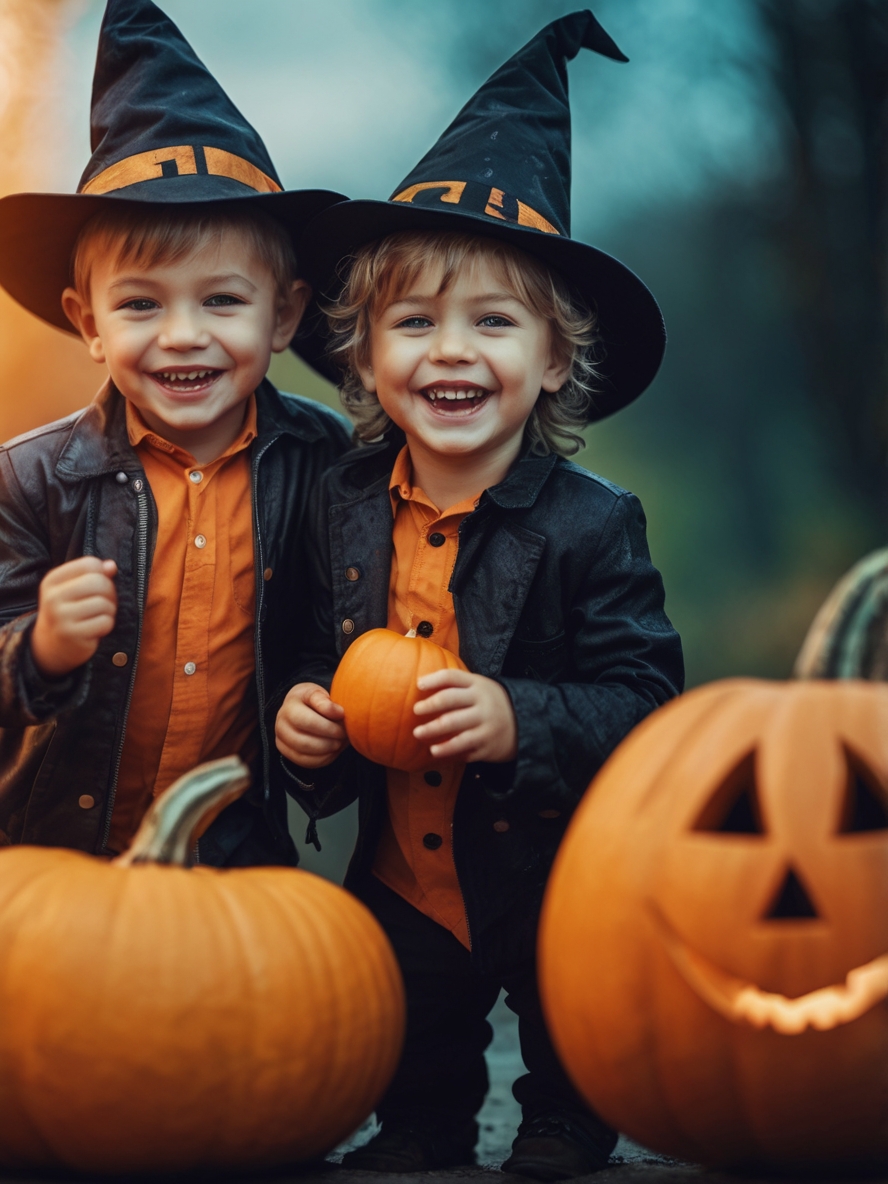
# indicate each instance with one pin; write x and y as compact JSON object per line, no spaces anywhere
{"x":631,"y":1164}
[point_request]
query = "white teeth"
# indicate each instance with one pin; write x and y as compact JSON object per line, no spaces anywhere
{"x":451,"y":395}
{"x":171,"y":376}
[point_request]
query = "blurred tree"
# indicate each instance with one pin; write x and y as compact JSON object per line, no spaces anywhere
{"x":829,"y":220}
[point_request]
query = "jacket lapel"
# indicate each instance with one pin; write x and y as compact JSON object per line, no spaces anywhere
{"x":361,"y":545}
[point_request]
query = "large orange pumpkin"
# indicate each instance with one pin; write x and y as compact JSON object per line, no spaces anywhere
{"x":157,"y":1018}
{"x":376,"y":684}
{"x":714,"y":942}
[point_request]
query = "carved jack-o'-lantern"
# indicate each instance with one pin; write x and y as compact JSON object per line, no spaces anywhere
{"x":714,"y":942}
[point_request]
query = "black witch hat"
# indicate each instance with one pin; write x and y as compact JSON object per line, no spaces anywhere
{"x":502,"y":170}
{"x":162,"y":131}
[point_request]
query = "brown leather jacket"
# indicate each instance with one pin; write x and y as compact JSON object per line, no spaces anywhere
{"x":76,"y":487}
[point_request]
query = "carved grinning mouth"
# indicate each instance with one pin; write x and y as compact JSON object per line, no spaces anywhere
{"x":742,"y":1002}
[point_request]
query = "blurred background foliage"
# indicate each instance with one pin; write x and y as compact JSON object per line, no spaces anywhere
{"x":738,"y":164}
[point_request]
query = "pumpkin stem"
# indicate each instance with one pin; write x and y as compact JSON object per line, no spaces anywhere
{"x":165,"y":835}
{"x":849,"y":635}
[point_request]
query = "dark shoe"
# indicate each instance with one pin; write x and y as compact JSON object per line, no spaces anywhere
{"x":551,"y":1148}
{"x":404,"y":1149}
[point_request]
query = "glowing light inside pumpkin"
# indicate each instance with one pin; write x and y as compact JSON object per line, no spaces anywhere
{"x":742,"y":1002}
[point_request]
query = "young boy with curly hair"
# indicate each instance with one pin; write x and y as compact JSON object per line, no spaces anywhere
{"x":147,"y":544}
{"x":477,"y":339}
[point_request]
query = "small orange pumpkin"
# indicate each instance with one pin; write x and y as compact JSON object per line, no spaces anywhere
{"x":714,"y":939}
{"x":158,"y":1018}
{"x":376,"y":684}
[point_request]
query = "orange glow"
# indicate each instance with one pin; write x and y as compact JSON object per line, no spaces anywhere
{"x":44,"y":373}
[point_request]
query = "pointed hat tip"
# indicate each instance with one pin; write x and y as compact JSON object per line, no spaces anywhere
{"x":589,"y":34}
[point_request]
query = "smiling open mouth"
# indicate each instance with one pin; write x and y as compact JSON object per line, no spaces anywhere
{"x":742,"y":1002}
{"x":462,"y":400}
{"x":185,"y":380}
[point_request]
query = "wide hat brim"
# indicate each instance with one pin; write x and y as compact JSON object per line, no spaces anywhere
{"x":630,"y":322}
{"x":38,"y":231}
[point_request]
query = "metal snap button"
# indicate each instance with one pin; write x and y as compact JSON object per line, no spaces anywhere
{"x":120,"y":658}
{"x":195,"y":477}
{"x":501,"y":826}
{"x":86,"y":801}
{"x":267,"y":574}
{"x":121,"y":478}
{"x":348,"y":626}
{"x":432,"y":841}
{"x":190,"y":667}
{"x":200,"y":541}
{"x":425,"y":628}
{"x":352,"y":573}
{"x":138,"y":485}
{"x":433,"y":777}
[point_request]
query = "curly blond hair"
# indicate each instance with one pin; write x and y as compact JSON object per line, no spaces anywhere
{"x":380,"y":271}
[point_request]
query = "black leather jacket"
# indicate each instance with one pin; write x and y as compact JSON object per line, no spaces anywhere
{"x":76,"y":487}
{"x":557,"y":599}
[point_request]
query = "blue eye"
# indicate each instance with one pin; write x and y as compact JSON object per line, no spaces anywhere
{"x":222,"y":300}
{"x":495,"y":321}
{"x":414,"y":323}
{"x":142,"y":304}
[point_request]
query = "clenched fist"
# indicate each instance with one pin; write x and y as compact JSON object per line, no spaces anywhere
{"x":76,"y":608}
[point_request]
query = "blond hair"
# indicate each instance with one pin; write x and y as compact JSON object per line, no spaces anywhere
{"x":168,"y":233}
{"x":380,"y":271}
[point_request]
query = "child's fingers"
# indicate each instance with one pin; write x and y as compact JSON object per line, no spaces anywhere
{"x":321,"y":702}
{"x":446,"y":700}
{"x":464,"y":745}
{"x":77,"y":612}
{"x":448,"y":724}
{"x":444,"y":678}
{"x":74,"y":568}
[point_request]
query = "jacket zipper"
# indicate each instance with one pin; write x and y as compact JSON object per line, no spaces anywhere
{"x":259,"y":561}
{"x":141,"y":573}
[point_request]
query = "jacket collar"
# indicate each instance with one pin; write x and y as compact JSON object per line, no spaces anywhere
{"x":371,"y":466}
{"x":99,"y":444}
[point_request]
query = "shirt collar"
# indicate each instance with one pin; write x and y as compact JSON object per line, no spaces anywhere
{"x":139,"y":432}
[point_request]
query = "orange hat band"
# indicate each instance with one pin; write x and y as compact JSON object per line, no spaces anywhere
{"x":453,"y":191}
{"x":177,"y":162}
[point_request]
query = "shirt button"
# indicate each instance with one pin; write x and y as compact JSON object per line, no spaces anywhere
{"x":86,"y":801}
{"x":437,"y":539}
{"x":433,"y":777}
{"x":501,"y":826}
{"x":121,"y":478}
{"x":352,"y":574}
{"x":348,"y":626}
{"x":200,"y":541}
{"x":432,"y":841}
{"x":120,"y":658}
{"x":190,"y":667}
{"x":267,"y":574}
{"x":195,"y":477}
{"x":425,"y":629}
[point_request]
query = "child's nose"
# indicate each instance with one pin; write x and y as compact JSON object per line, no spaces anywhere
{"x":451,"y":345}
{"x":182,"y":330}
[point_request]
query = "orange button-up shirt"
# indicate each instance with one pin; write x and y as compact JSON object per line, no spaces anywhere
{"x":415,"y":853}
{"x":194,"y":695}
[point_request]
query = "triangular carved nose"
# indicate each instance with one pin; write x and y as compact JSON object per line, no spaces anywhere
{"x":792,"y":901}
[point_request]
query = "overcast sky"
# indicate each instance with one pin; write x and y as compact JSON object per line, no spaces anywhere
{"x":348,"y":94}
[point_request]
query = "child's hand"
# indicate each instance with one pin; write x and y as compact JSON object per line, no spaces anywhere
{"x":474,"y":712}
{"x":308,"y":730}
{"x":76,"y":607}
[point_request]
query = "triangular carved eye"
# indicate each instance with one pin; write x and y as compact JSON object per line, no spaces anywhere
{"x":734,"y":808}
{"x":865,"y":804}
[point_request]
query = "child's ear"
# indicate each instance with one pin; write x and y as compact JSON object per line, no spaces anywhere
{"x":367,"y":377}
{"x":81,"y":317}
{"x":556,"y":373}
{"x":289,"y":314}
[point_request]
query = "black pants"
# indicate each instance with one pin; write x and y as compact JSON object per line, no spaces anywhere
{"x":442,"y":1080}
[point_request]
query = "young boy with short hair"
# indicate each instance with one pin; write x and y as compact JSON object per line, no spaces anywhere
{"x":477,"y":338}
{"x":150,"y":545}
